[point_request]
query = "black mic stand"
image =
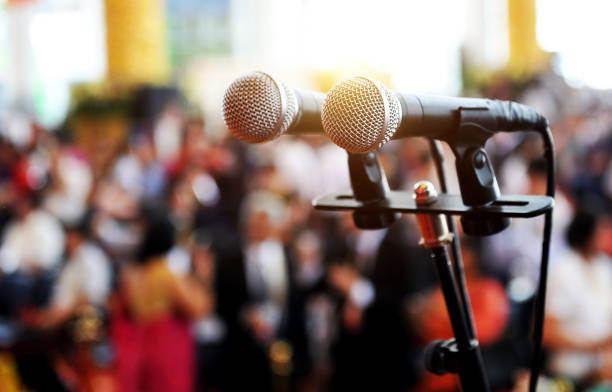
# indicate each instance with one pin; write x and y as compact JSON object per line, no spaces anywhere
{"x":483,"y":210}
{"x":462,"y":354}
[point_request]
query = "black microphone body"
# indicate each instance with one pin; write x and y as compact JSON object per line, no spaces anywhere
{"x":308,"y":120}
{"x":440,"y":117}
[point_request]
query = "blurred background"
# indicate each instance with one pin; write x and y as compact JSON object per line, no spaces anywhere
{"x":145,"y":249}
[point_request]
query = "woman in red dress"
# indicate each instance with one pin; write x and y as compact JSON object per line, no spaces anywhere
{"x":150,"y":322}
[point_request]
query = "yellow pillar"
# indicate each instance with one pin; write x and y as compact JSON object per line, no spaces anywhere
{"x":137,"y":46}
{"x":525,"y":54}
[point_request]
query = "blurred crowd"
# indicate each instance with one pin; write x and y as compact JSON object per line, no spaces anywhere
{"x":172,"y":260}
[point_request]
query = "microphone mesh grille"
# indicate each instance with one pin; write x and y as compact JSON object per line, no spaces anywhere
{"x":360,"y":115}
{"x":256,"y":110}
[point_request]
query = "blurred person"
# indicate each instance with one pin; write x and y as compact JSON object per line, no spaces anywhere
{"x":84,"y":279}
{"x":591,"y":179}
{"x":490,"y":307}
{"x":18,"y":129}
{"x":319,"y":305}
{"x":515,"y":253}
{"x":607,"y":176}
{"x":295,"y":160}
{"x":182,"y":202}
{"x":414,"y":163}
{"x":210,"y":331}
{"x":139,"y":171}
{"x":227,"y":169}
{"x":219,"y":171}
{"x":76,"y":313}
{"x":198,"y":151}
{"x":514,"y":165}
{"x":151,"y":316}
{"x":360,"y":246}
{"x":115,"y":221}
{"x":578,"y":325}
{"x":300,"y":216}
{"x":31,"y":249}
{"x":71,"y":184}
{"x":266,"y":177}
{"x":194,"y":147}
{"x":157,"y":120}
{"x":562,"y":213}
{"x":167,"y":131}
{"x":197,"y":200}
{"x":8,"y":159}
{"x":375,"y":345}
{"x":542,"y":93}
{"x":309,"y":268}
{"x":333,"y":168}
{"x":260,"y":302}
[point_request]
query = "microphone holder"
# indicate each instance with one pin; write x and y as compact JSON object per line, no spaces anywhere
{"x":474,"y":170}
{"x":370,"y":188}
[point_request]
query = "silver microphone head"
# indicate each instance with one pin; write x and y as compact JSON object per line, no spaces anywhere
{"x":360,"y":114}
{"x":258,"y":107}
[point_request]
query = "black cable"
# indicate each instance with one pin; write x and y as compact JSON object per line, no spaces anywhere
{"x":538,"y":328}
{"x":438,"y":156}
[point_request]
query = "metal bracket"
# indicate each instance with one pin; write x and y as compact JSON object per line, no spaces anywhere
{"x":511,"y":206}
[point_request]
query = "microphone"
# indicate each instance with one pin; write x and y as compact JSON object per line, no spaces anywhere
{"x":258,"y":108}
{"x":361,"y":115}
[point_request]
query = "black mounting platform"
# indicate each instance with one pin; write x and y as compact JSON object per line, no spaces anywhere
{"x":515,"y":206}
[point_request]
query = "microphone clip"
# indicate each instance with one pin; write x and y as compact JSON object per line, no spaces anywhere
{"x":482,"y":208}
{"x":370,"y":187}
{"x":475,"y":173}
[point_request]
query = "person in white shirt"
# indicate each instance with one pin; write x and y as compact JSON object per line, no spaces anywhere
{"x":265,"y":264}
{"x":34,"y":242}
{"x":30,"y":251}
{"x":86,"y":276}
{"x":85,"y":279}
{"x":578,"y":326}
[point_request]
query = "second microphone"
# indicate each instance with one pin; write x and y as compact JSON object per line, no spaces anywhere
{"x":258,"y":108}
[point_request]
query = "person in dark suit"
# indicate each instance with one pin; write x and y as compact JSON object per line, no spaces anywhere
{"x":260,"y":303}
{"x":375,"y":345}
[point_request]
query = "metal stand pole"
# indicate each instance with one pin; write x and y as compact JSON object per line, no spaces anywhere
{"x":438,"y":156}
{"x":461,"y":355}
